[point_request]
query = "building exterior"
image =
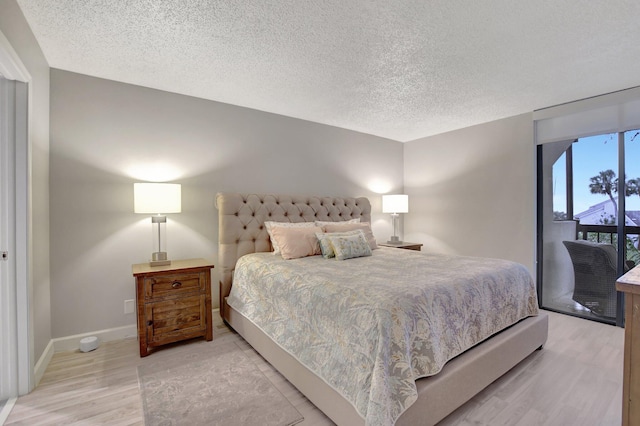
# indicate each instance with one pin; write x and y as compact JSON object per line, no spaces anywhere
{"x":604,"y":214}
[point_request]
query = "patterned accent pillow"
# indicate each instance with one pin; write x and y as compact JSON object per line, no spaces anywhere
{"x":270,"y":225}
{"x":350,"y":246}
{"x":345,"y":226}
{"x":325,"y":244}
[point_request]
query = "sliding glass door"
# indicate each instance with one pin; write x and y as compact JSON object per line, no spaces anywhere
{"x":588,"y":222}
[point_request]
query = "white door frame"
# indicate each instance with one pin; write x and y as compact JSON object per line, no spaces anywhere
{"x":8,"y":300}
{"x":12,"y":68}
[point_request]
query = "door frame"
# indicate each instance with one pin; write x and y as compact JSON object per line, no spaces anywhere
{"x":12,"y":68}
{"x":621,"y":227}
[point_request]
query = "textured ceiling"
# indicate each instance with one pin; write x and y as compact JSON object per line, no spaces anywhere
{"x":397,"y":69}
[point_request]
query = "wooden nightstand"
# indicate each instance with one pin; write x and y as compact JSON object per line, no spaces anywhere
{"x":403,"y":245}
{"x":174,"y":302}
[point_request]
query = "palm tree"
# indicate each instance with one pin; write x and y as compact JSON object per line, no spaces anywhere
{"x":606,"y":183}
{"x":633,"y":187}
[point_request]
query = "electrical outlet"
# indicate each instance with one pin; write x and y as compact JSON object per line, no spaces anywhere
{"x":128,"y":306}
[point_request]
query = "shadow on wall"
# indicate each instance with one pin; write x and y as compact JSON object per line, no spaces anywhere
{"x":96,"y":237}
{"x":481,"y":211}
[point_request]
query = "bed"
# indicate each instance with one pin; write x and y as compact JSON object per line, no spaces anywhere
{"x":452,"y":377}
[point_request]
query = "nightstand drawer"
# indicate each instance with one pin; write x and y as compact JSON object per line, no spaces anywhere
{"x":173,"y":285}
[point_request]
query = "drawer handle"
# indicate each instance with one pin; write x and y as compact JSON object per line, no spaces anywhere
{"x":176,"y":284}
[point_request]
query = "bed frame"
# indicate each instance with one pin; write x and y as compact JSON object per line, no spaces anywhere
{"x":241,"y":231}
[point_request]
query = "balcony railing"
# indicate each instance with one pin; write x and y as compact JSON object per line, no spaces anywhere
{"x":608,"y":234}
{"x":605,"y":233}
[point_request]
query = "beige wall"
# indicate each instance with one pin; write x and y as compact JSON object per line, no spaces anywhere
{"x":14,"y":26}
{"x":106,"y":135}
{"x":472,"y":191}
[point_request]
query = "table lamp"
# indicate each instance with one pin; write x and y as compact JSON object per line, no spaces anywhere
{"x":157,"y":199}
{"x":395,"y":204}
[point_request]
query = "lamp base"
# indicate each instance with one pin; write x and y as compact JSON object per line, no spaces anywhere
{"x":159,"y":258}
{"x":394,"y":240}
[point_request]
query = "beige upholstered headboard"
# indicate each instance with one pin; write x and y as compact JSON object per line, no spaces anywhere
{"x":241,"y":220}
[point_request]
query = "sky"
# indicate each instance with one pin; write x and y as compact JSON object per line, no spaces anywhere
{"x":592,"y":155}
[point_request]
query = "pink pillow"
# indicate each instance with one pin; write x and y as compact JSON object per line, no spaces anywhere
{"x":297,"y":242}
{"x":270,"y":225}
{"x":345,"y":226}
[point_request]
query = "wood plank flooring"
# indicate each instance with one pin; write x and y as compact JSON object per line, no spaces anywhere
{"x":575,"y":380}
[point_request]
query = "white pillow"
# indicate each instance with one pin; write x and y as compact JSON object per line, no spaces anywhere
{"x":323,"y":223}
{"x":270,"y":225}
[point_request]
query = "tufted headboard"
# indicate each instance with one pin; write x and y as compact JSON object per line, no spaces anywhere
{"x":241,"y":220}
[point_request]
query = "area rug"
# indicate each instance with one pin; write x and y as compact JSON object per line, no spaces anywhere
{"x":210,"y":383}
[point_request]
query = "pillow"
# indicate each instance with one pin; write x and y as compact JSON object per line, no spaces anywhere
{"x":270,"y":225}
{"x":345,"y":226}
{"x":325,"y":245}
{"x":323,"y":223}
{"x":350,"y":246}
{"x":298,"y":241}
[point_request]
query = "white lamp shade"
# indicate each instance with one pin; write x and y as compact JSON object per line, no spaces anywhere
{"x":397,"y":203}
{"x":157,"y":198}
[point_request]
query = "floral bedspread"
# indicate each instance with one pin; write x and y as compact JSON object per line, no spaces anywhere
{"x":371,"y":326}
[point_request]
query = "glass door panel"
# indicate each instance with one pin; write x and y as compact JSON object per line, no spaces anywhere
{"x":578,"y":235}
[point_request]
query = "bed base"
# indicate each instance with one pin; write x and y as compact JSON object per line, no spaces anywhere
{"x":438,"y":396}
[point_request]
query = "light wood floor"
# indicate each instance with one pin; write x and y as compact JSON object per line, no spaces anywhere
{"x":575,"y":380}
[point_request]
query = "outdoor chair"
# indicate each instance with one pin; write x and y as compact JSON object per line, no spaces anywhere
{"x":595,"y":270}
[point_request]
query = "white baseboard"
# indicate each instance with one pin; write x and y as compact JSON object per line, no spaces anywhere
{"x":43,"y":362}
{"x":71,"y":343}
{"x":6,"y":410}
